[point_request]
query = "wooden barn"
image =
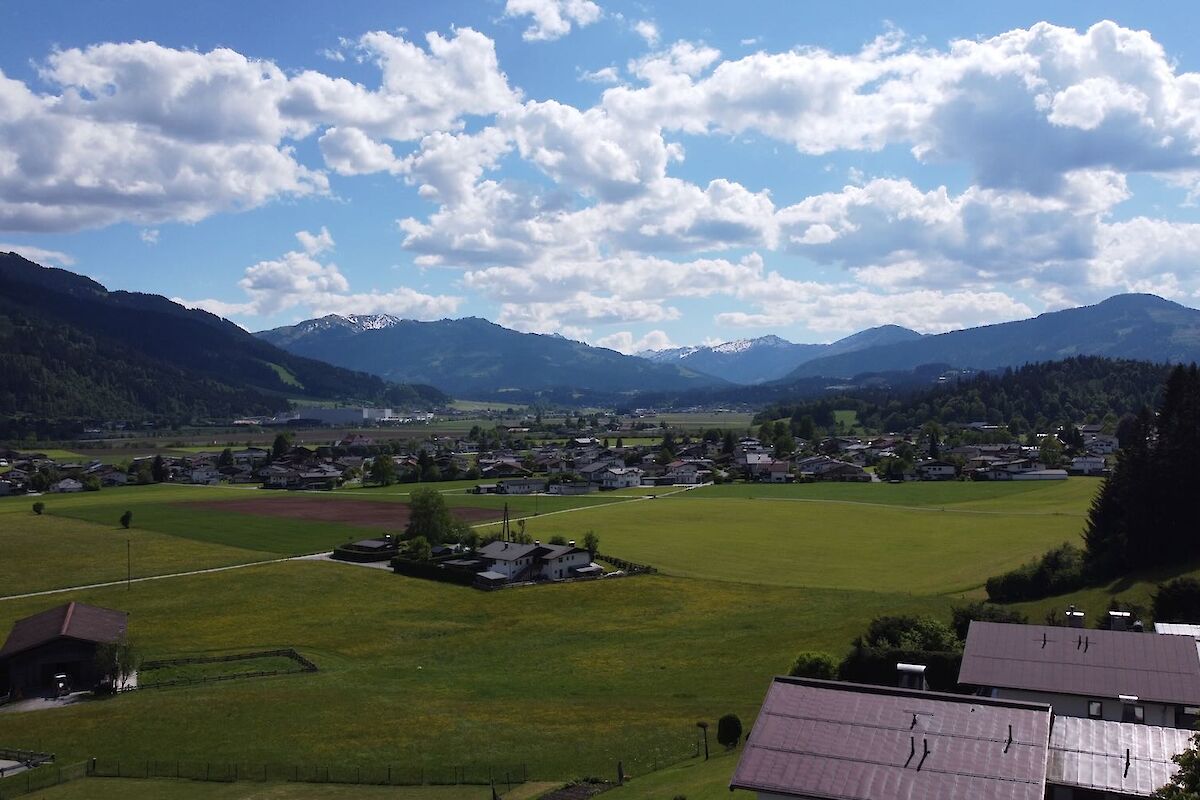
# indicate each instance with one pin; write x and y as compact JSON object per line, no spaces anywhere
{"x":61,"y":640}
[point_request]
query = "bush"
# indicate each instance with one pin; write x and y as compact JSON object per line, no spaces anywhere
{"x":39,"y":507}
{"x":961,"y":616}
{"x":909,"y":633}
{"x":811,"y":664}
{"x":729,"y":731}
{"x":1058,"y":571}
{"x":126,"y":519}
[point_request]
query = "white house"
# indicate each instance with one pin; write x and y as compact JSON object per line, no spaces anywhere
{"x":205,"y":475}
{"x":621,"y":477}
{"x":1088,"y":465}
{"x":934,"y":470}
{"x":529,"y":562}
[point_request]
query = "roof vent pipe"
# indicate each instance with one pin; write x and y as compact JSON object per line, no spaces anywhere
{"x":1074,"y":618}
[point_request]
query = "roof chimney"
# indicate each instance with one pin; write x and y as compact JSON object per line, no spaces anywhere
{"x":571,"y":543}
{"x":1074,"y":617}
{"x":538,"y":542}
{"x":1119,"y":620}
{"x":911,"y":676}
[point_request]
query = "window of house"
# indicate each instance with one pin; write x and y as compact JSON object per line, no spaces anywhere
{"x":1134,"y":713}
{"x":1095,"y":709}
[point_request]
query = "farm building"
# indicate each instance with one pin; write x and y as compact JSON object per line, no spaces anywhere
{"x":62,"y":640}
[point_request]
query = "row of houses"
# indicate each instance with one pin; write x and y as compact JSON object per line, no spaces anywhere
{"x":1046,"y":713}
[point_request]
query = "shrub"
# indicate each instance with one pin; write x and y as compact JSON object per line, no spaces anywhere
{"x":1177,"y":601}
{"x":909,"y":633}
{"x":961,"y":616}
{"x":1058,"y":571}
{"x":126,"y":519}
{"x":419,"y":549}
{"x":811,"y":664}
{"x":729,"y":731}
{"x":39,"y":507}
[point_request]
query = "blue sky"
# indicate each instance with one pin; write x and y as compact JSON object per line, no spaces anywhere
{"x":632,"y":174}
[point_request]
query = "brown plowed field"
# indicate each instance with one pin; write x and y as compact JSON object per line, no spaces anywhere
{"x":361,"y":513}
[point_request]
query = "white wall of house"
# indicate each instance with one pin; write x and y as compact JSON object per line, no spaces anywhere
{"x":1069,"y":705}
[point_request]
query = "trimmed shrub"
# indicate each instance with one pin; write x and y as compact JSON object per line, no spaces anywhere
{"x":811,"y":664}
{"x":39,"y":507}
{"x":729,"y":731}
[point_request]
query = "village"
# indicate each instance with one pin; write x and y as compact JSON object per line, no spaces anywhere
{"x":600,"y":461}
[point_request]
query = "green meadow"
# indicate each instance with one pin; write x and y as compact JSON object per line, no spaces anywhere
{"x":564,"y":680}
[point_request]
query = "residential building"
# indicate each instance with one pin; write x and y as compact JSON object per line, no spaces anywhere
{"x":935,"y":470}
{"x":532,"y":562}
{"x":1115,"y":675}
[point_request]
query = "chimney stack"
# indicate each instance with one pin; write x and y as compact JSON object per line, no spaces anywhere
{"x":1074,"y":617}
{"x":911,"y":676}
{"x":1119,"y":620}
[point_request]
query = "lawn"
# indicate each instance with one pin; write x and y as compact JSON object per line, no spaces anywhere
{"x":832,"y":545}
{"x":564,"y":679}
{"x":49,"y":552}
{"x":132,"y":789}
{"x":1071,"y":496}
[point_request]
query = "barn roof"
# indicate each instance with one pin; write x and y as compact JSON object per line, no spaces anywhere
{"x":822,"y":739}
{"x":71,"y":621}
{"x":1096,"y":663}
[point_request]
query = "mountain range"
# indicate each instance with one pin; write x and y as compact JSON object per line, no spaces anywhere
{"x":1144,"y":327}
{"x":769,"y":358}
{"x":70,"y":348}
{"x":475,"y":358}
{"x":472,"y":357}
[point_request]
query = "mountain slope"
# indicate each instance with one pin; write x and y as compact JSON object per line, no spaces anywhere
{"x":71,"y":348}
{"x":1132,"y":326}
{"x":472,"y":357}
{"x":768,"y":358}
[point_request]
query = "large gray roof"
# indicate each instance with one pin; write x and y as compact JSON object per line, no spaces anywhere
{"x":1092,"y":754}
{"x":822,"y":739}
{"x":1096,"y":663}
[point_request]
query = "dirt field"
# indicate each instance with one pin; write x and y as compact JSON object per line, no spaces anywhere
{"x":361,"y":513}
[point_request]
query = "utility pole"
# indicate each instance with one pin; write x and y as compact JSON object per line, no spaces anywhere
{"x":128,"y":567}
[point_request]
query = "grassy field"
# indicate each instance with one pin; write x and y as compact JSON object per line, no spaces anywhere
{"x":131,"y":789}
{"x":564,"y":679}
{"x":1071,"y":496}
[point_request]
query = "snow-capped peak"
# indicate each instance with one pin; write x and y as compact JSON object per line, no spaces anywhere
{"x":742,"y":345}
{"x":372,"y":322}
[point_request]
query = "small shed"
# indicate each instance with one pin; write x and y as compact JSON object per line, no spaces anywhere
{"x":61,"y":640}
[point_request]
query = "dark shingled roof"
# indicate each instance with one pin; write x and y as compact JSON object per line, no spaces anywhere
{"x":845,"y":741}
{"x":1097,"y":663}
{"x":71,"y":621}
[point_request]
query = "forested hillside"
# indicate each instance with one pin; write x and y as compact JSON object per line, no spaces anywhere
{"x":1033,"y":397}
{"x":70,"y":349}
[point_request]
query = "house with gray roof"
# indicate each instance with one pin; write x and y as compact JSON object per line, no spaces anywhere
{"x":536,"y":562}
{"x":1114,"y":675}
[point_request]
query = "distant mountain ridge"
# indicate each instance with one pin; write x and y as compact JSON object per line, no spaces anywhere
{"x":475,"y":358}
{"x":1143,"y":327}
{"x":70,"y":348}
{"x":768,"y":358}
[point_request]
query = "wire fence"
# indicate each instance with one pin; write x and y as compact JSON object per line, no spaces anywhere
{"x":302,"y":664}
{"x":613,"y":766}
{"x":43,"y":777}
{"x":369,"y":774}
